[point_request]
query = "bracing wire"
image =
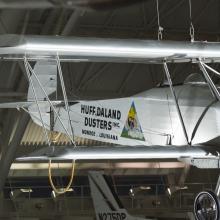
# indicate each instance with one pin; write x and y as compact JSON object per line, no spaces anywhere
{"x":51,"y":104}
{"x":160,"y":29}
{"x":191,"y":28}
{"x":65,"y":98}
{"x":36,"y":100}
{"x":28,"y":70}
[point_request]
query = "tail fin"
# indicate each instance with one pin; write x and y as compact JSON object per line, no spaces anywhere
{"x":47,"y":74}
{"x":106,"y":203}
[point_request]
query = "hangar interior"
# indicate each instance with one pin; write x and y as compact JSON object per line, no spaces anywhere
{"x":162,"y":189}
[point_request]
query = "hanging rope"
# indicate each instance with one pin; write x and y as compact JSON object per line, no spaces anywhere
{"x":64,"y":190}
{"x":30,"y":70}
{"x":191,"y":28}
{"x":61,"y":191}
{"x":160,"y":29}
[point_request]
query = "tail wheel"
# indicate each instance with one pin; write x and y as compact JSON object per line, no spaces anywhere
{"x":206,"y":206}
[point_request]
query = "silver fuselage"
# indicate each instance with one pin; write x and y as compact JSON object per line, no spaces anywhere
{"x":155,"y":115}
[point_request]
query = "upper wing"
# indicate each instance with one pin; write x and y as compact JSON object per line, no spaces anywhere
{"x":106,"y":50}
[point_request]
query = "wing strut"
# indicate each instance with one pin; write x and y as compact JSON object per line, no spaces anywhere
{"x":211,"y":84}
{"x":65,"y":98}
{"x":214,"y":90}
{"x":175,"y":100}
{"x":217,"y":188}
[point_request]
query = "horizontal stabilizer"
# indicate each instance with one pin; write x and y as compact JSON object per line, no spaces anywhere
{"x":29,"y":103}
{"x":25,"y":104}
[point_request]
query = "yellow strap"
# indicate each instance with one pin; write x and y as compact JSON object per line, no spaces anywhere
{"x":61,"y":191}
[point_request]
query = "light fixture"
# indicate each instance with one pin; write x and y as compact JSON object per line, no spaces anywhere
{"x":174,"y":189}
{"x":12,"y":194}
{"x":19,"y":193}
{"x":145,"y":187}
{"x":139,"y":190}
{"x":184,"y":187}
{"x":131,"y":192}
{"x":169,"y":191}
{"x":54,"y":195}
{"x":29,"y":190}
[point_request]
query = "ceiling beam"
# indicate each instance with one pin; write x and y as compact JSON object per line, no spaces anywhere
{"x":71,"y":23}
{"x":26,"y":4}
{"x":9,"y":93}
{"x":8,"y":155}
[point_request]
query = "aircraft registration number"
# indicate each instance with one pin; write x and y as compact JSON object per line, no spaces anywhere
{"x":112,"y":216}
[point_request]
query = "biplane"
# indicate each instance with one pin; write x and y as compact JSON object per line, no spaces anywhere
{"x":167,"y":122}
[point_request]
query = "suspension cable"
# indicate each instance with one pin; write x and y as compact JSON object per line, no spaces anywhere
{"x":160,"y":29}
{"x":64,"y":190}
{"x":191,"y":29}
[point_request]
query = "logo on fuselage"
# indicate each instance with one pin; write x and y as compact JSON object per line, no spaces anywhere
{"x":132,"y":128}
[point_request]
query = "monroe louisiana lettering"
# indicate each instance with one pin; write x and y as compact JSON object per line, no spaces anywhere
{"x":101,"y":112}
{"x":87,"y":132}
{"x":108,"y":136}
